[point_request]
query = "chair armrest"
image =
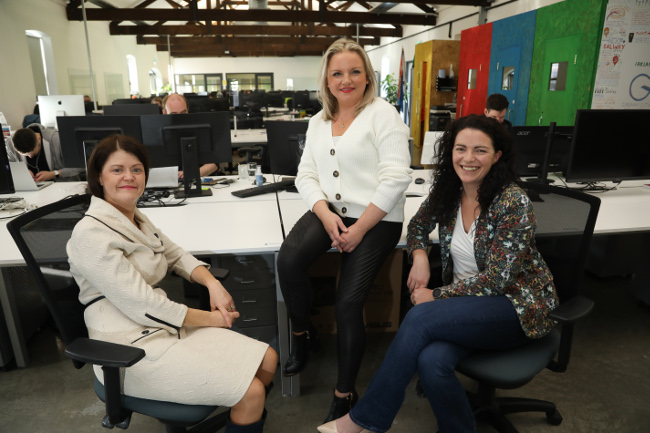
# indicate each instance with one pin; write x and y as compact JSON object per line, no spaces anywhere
{"x":572,"y":310}
{"x":103,"y":353}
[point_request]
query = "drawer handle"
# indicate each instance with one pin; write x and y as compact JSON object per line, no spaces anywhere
{"x":252,"y":319}
{"x":249,"y":301}
{"x":245,"y":261}
{"x":247,"y":281}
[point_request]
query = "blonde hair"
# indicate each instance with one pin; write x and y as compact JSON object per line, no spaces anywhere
{"x":329,"y":102}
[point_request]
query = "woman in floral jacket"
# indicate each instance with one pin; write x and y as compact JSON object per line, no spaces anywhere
{"x":497,"y":290}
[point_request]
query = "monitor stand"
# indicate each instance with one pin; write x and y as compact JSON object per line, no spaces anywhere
{"x":543,"y":175}
{"x":191,"y":173}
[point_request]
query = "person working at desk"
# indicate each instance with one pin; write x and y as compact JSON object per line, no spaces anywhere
{"x":177,"y":104}
{"x":497,"y":289}
{"x":40,"y":148}
{"x":117,"y":256}
{"x":496,"y":107}
{"x":352,"y":174}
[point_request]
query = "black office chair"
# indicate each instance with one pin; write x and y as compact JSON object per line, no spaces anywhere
{"x":41,"y":236}
{"x":565,"y":225}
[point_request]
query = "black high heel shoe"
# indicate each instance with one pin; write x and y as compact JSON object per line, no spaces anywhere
{"x":301,"y":345}
{"x":341,"y":406}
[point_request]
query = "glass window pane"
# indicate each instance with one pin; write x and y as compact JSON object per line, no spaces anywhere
{"x":471,"y":79}
{"x":508,"y":78}
{"x":557,"y":80}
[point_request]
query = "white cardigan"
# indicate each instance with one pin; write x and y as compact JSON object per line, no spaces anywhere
{"x":369,"y":164}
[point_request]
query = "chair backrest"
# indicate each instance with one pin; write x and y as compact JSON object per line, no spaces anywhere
{"x":565,"y":224}
{"x":41,"y":236}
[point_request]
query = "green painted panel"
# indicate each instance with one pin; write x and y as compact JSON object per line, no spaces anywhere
{"x":577,"y":23}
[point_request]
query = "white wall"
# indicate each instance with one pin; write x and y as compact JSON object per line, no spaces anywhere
{"x":17,"y":92}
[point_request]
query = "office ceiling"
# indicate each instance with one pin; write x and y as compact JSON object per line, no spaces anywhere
{"x":249,"y":28}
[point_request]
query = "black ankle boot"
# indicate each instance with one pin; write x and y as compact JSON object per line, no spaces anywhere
{"x":341,"y":406}
{"x":301,"y":345}
{"x":256,"y":427}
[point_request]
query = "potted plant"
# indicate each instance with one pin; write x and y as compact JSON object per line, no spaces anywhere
{"x":391,"y":86}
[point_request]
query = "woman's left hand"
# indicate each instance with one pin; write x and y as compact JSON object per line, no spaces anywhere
{"x":421,"y":295}
{"x":352,"y":238}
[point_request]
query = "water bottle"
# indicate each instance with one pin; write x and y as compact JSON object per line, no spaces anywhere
{"x":258,"y":176}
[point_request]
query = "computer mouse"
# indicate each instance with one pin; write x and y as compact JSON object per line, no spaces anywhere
{"x":419,"y":181}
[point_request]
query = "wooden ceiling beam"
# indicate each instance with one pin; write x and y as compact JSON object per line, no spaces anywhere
{"x":312,"y":30}
{"x":250,"y":15}
{"x":215,"y":41}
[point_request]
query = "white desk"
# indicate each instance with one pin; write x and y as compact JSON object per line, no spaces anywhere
{"x":225,"y":224}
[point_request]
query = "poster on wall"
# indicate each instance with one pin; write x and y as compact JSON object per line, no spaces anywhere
{"x":623,"y":75}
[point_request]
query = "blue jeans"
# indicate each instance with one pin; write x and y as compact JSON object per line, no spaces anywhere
{"x":432,"y":340}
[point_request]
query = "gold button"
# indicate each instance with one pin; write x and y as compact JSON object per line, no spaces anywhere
{"x":338,"y":196}
{"x":335,"y":174}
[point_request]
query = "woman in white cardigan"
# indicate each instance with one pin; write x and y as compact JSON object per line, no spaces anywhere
{"x":352,"y":174}
{"x":117,"y":256}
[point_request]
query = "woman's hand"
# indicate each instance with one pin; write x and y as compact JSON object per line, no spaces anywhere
{"x":420,"y":271}
{"x":221,"y":300}
{"x":352,"y":238}
{"x":421,"y":295}
{"x":332,"y":223}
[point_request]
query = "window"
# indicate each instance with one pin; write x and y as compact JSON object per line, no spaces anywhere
{"x":131,"y":65}
{"x":471,"y":79}
{"x":508,"y":77}
{"x":557,"y":80}
{"x":250,"y":81}
{"x":41,"y":55}
{"x":190,"y":83}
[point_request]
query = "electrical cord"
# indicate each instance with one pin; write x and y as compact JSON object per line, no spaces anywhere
{"x":15,"y":203}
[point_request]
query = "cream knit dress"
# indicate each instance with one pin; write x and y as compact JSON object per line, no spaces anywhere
{"x":109,"y":256}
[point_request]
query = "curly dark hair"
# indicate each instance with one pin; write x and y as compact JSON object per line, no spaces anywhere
{"x":446,"y":189}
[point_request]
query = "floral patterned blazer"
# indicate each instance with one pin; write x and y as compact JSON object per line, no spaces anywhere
{"x":507,"y":258}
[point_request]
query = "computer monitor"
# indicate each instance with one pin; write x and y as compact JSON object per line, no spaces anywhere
{"x":285,"y":143}
{"x":314,"y":103}
{"x":609,"y":145}
{"x":131,"y":109}
{"x":188,"y":141}
{"x":301,"y":99}
{"x":53,"y":106}
{"x":530,"y":145}
{"x":6,"y":181}
{"x":80,"y":134}
{"x":205,"y":104}
{"x":274,"y":98}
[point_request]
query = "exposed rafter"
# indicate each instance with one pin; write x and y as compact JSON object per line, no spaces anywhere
{"x":235,"y":28}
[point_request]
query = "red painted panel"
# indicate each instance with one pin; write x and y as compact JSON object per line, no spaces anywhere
{"x":475,"y":46}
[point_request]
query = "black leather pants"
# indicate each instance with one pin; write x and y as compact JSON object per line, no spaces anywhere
{"x":306,"y":242}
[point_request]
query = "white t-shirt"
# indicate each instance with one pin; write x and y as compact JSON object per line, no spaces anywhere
{"x":462,"y":249}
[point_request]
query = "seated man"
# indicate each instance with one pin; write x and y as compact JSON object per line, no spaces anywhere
{"x":40,"y":148}
{"x":177,"y":104}
{"x":496,"y":107}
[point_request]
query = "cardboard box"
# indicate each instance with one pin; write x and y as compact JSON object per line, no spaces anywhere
{"x":381,"y":312}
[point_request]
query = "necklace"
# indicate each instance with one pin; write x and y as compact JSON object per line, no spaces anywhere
{"x":343,"y":122}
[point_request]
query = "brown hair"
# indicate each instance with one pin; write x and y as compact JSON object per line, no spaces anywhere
{"x":104,"y":149}
{"x":329,"y":102}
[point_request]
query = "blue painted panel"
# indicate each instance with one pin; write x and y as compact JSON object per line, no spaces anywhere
{"x":512,"y":45}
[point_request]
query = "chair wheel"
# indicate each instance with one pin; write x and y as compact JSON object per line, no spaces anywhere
{"x":554,"y":418}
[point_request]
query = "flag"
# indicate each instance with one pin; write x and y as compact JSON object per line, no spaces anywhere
{"x":401,"y":84}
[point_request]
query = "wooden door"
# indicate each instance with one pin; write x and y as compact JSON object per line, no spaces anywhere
{"x":474,"y":69}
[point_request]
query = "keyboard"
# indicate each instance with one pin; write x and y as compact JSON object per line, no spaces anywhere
{"x":264,"y":189}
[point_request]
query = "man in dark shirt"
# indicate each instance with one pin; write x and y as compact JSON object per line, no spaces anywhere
{"x":40,"y":148}
{"x":496,"y":107}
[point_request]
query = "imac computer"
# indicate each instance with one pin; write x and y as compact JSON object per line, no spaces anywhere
{"x":51,"y":107}
{"x":609,"y":145}
{"x":285,"y":143}
{"x":131,"y":109}
{"x":188,"y":141}
{"x":80,"y":134}
{"x":530,"y":147}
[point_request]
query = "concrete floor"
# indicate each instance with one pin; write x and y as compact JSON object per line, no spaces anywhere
{"x":606,"y":389}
